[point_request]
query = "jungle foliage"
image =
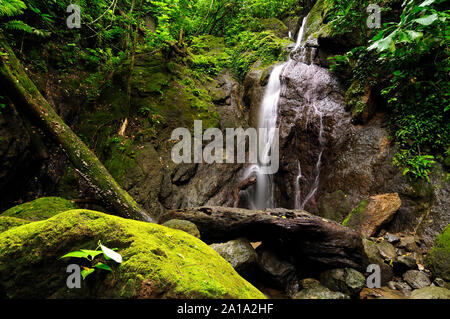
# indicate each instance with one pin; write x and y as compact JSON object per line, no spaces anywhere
{"x":408,"y":61}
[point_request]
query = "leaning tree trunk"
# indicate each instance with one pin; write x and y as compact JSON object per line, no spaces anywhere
{"x":27,"y":98}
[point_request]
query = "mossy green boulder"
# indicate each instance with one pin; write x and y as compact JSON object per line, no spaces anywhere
{"x":438,"y":259}
{"x":183,"y":225}
{"x":41,"y":208}
{"x":158,"y":262}
{"x":7,"y":222}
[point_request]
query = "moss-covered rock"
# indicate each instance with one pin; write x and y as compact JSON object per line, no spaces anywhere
{"x":7,"y":222}
{"x":372,"y":213}
{"x":183,"y":225}
{"x":158,"y":262}
{"x":41,"y":208}
{"x":275,"y":25}
{"x":438,"y":259}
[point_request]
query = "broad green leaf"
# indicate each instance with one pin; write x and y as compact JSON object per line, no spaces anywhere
{"x":414,"y":34}
{"x":86,"y":272}
{"x":103,"y":266}
{"x":111,"y":254}
{"x":427,"y":20}
{"x":427,"y":3}
{"x":403,"y":37}
{"x":384,"y":44}
{"x":76,"y":254}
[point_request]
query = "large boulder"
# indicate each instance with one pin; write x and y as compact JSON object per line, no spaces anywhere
{"x":7,"y":222}
{"x":373,"y":213}
{"x":39,"y":209}
{"x":438,"y":259}
{"x":158,"y":262}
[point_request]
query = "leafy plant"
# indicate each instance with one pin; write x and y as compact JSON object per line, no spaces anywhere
{"x":408,"y":62}
{"x":90,"y":255}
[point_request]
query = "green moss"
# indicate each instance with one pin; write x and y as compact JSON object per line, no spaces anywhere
{"x":158,"y":262}
{"x":356,"y":215}
{"x":275,"y":25}
{"x":41,"y":208}
{"x":183,"y":225}
{"x":353,"y":96}
{"x":438,"y":259}
{"x":7,"y":222}
{"x":315,"y":25}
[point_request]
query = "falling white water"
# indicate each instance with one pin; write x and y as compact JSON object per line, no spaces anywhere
{"x":299,"y":204}
{"x":264,"y":195}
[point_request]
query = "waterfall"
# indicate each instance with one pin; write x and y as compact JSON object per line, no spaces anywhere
{"x":263,"y":197}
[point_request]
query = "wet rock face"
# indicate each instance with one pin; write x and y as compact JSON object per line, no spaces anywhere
{"x":313,"y":125}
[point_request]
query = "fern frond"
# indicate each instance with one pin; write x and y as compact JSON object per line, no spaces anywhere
{"x":11,"y":7}
{"x":16,"y":25}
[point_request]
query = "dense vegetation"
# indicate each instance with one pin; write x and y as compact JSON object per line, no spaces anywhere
{"x":406,"y":61}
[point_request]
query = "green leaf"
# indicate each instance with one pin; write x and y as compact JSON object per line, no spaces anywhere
{"x":91,"y":253}
{"x":103,"y":266}
{"x":427,"y":3}
{"x":427,"y":20}
{"x":384,"y":44}
{"x":76,"y":254}
{"x":111,"y":254}
{"x":414,"y":34}
{"x":86,"y":272}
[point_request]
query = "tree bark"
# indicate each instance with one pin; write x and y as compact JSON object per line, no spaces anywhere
{"x":305,"y":236}
{"x":27,"y":98}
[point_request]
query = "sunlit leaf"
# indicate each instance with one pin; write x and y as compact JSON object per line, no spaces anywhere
{"x":103,"y":266}
{"x":86,"y":272}
{"x":427,"y":20}
{"x":76,"y":254}
{"x":111,"y":254}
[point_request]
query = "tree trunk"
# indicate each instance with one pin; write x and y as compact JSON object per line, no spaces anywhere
{"x":304,"y":236}
{"x":27,"y":98}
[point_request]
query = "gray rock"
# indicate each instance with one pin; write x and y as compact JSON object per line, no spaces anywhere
{"x":430,"y":293}
{"x":387,"y":250}
{"x":239,"y":253}
{"x":279,"y":272}
{"x":374,"y":256}
{"x":416,"y":279}
{"x":405,"y":262}
{"x":391,"y":238}
{"x":439,"y":282}
{"x":346,"y":280}
{"x":309,"y":283}
{"x":409,"y":243}
{"x":403,"y":287}
{"x":319,"y":292}
{"x":183,"y":225}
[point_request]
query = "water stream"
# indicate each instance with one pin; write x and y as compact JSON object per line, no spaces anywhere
{"x":263,"y":197}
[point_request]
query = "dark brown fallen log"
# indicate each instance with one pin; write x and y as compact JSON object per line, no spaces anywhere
{"x":308,"y":238}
